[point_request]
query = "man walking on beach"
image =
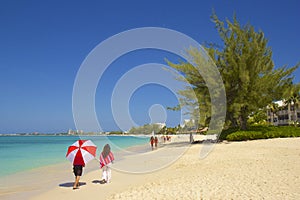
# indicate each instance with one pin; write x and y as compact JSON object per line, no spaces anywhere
{"x":77,"y":169}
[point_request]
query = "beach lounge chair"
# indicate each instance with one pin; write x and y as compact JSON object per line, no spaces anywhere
{"x":203,"y":130}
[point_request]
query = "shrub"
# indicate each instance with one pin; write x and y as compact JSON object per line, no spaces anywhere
{"x":245,"y":135}
{"x":227,"y":132}
{"x":260,"y":132}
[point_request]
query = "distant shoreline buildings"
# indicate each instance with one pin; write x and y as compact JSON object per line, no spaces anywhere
{"x":81,"y":132}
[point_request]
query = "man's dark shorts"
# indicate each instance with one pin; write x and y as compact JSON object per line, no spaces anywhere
{"x":77,"y":169}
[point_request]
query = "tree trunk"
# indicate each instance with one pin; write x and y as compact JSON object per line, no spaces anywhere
{"x":243,"y":123}
{"x":243,"y":118}
{"x":289,"y":113}
{"x":233,"y":120}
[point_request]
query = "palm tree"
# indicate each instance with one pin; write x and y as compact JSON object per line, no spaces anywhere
{"x":274,"y":107}
{"x":293,"y":99}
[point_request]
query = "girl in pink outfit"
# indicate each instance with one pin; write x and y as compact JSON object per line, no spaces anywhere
{"x":106,"y":159}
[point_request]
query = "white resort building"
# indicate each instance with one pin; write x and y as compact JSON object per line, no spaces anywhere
{"x":161,"y":125}
{"x":286,"y":114}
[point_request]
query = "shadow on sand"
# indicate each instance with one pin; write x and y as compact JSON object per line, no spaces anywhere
{"x":70,"y":184}
{"x":96,"y":181}
{"x":204,"y":141}
{"x":185,"y":144}
{"x":175,"y":144}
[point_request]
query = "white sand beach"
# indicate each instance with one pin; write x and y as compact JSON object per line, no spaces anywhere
{"x":261,"y":169}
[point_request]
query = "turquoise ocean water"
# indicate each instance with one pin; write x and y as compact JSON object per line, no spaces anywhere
{"x":21,"y":153}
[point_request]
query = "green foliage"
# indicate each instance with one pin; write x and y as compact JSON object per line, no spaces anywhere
{"x":258,"y":118}
{"x":227,"y":132}
{"x":260,"y":132}
{"x":292,"y":97}
{"x":245,"y":63}
{"x":171,"y":131}
{"x":145,"y":129}
{"x":193,"y":97}
{"x":245,"y":135}
{"x":292,"y":94}
{"x":116,"y":133}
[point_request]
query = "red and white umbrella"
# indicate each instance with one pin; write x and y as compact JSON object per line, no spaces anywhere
{"x":81,"y":152}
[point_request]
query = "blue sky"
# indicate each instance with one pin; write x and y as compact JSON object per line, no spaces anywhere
{"x":43,"y":44}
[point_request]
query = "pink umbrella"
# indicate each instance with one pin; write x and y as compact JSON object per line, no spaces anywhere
{"x":81,"y":152}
